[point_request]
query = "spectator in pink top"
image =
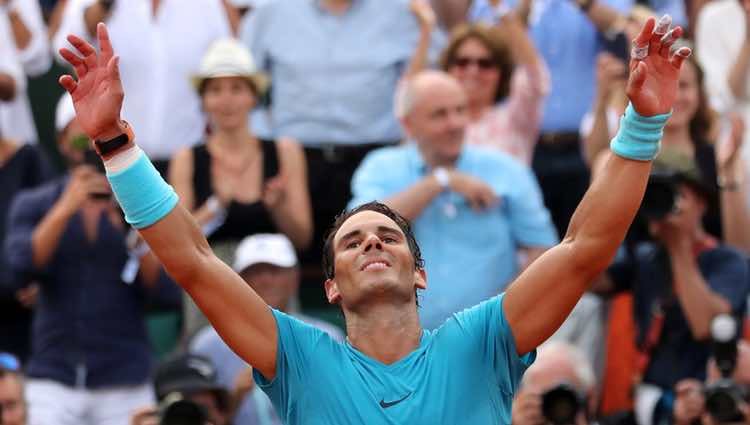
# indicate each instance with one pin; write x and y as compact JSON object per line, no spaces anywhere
{"x":505,"y":80}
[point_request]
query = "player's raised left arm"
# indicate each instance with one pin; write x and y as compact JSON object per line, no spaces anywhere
{"x":537,"y":303}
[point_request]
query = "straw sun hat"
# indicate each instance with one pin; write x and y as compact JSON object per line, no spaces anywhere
{"x":229,"y":58}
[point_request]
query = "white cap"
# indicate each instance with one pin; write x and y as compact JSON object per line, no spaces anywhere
{"x":275,"y":249}
{"x":229,"y":58}
{"x":65,"y":112}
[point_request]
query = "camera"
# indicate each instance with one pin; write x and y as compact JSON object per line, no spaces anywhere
{"x":724,"y":396}
{"x":561,"y":404}
{"x":661,"y":195}
{"x":90,"y":157}
{"x":175,"y":409}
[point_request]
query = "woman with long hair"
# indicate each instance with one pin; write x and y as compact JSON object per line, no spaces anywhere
{"x":235,"y":183}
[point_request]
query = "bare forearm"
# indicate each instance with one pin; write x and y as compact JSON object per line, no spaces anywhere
{"x":93,"y":15}
{"x":46,"y":236}
{"x":240,"y":316}
{"x":451,"y":12}
{"x":737,"y":78}
{"x":596,"y":231}
{"x":735,"y":217}
{"x":599,"y":137}
{"x":524,"y":10}
{"x":600,"y":222}
{"x":523,"y":48}
{"x":699,"y":303}
{"x":21,"y":33}
{"x":419,"y":59}
{"x":411,"y":202}
{"x":7,"y":87}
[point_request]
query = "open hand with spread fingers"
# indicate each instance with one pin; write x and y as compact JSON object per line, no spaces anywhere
{"x":97,"y":94}
{"x":654,"y":68}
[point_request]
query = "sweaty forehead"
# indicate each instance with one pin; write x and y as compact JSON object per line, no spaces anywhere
{"x":364,"y":221}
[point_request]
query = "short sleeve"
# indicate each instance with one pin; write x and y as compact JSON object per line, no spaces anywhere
{"x":370,"y":181}
{"x":299,"y":347}
{"x":726,"y":272}
{"x":530,"y":220}
{"x":490,"y":334}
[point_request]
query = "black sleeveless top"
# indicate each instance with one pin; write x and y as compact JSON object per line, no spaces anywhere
{"x":242,"y":219}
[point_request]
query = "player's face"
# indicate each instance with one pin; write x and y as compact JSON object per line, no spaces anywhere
{"x":372,"y":263}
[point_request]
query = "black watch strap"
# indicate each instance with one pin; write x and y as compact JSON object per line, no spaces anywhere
{"x":108,"y":146}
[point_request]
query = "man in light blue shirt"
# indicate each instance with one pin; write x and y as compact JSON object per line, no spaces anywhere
{"x":389,"y":370}
{"x":334,"y":67}
{"x":461,"y":235}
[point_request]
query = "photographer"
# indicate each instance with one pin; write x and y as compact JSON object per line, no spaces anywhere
{"x":559,"y":388}
{"x":189,"y":394}
{"x":91,"y":357}
{"x":680,"y":282}
{"x":690,"y":395}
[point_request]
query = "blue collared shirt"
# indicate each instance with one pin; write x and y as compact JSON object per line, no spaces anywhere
{"x":88,"y":327}
{"x":469,"y":256}
{"x":333,"y":77}
{"x":569,"y":44}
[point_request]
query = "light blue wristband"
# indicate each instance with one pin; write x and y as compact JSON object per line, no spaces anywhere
{"x":639,"y":137}
{"x":142,"y":193}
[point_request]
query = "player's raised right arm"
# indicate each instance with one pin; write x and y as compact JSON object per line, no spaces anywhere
{"x":240,"y":316}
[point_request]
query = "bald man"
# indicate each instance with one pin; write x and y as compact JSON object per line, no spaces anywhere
{"x":472,"y":210}
{"x":557,"y":363}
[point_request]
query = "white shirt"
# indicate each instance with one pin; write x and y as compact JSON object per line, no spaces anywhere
{"x":16,"y":119}
{"x":158,"y":55}
{"x":720,"y":33}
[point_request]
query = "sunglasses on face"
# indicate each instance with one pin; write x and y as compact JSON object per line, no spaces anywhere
{"x":481,"y":63}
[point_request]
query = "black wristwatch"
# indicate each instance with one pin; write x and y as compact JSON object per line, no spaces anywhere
{"x":106,"y":147}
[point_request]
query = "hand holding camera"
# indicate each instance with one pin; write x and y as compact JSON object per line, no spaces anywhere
{"x":85,"y":184}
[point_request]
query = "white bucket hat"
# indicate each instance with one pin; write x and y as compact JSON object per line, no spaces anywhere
{"x":229,"y":58}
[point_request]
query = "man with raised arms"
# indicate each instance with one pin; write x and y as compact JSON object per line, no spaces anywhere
{"x":389,"y":370}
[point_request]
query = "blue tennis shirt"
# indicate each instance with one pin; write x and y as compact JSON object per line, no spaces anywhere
{"x":465,"y":371}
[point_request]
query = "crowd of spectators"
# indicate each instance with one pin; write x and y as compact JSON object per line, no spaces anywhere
{"x":482,"y":122}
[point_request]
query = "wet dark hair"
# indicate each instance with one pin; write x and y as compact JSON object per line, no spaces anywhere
{"x":403,"y":224}
{"x":494,"y":40}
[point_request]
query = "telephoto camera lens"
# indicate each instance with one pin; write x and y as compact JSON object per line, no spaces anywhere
{"x":561,"y":404}
{"x":724,"y":396}
{"x":660,"y":197}
{"x":175,"y":410}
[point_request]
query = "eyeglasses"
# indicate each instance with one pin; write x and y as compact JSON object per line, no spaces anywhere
{"x":482,"y":63}
{"x":9,"y":362}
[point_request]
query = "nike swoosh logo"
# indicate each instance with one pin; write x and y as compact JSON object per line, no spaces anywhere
{"x":386,"y":404}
